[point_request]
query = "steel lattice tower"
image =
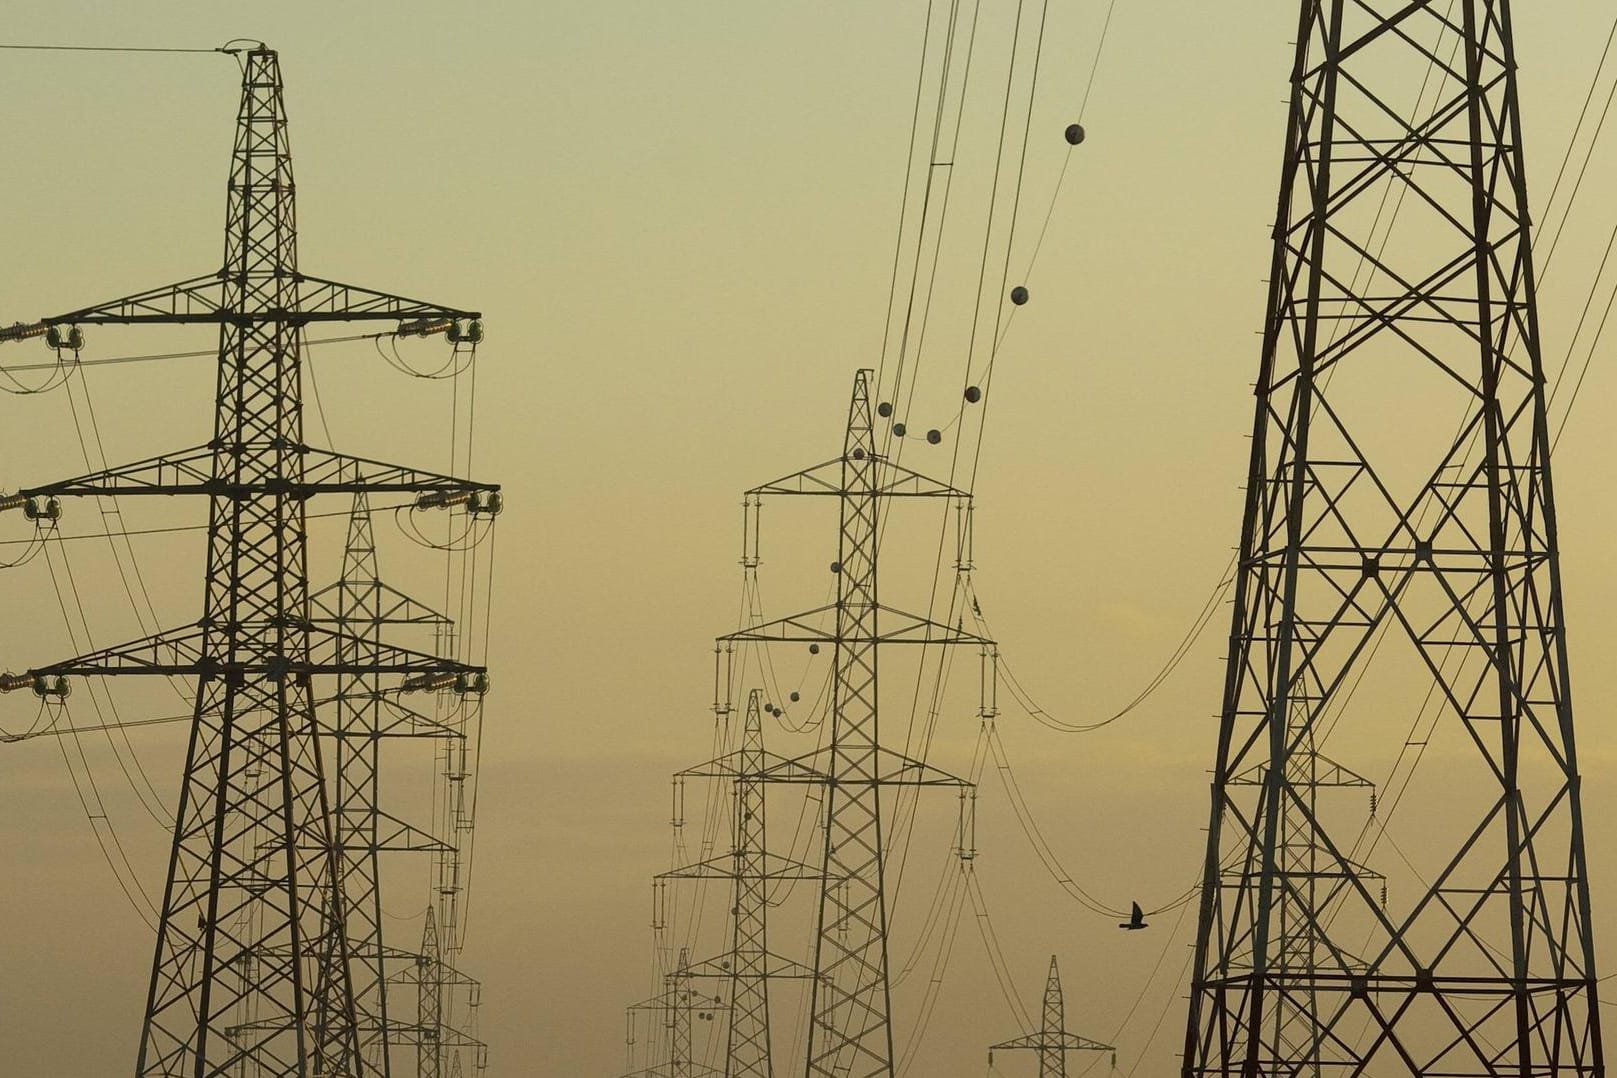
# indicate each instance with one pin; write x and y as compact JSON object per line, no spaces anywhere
{"x":1352,"y":539}
{"x":252,"y":964}
{"x":749,"y":965}
{"x":364,"y":714}
{"x":850,"y":1031}
{"x":1052,"y":1041}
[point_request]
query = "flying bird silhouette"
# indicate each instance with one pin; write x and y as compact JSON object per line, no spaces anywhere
{"x":1136,"y":919}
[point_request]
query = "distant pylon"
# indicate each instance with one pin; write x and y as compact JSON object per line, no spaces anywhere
{"x":364,"y":714}
{"x":251,"y":970}
{"x":1052,"y":1041}
{"x":438,"y":1042}
{"x":850,"y":1030}
{"x":676,"y":1006}
{"x":749,"y":965}
{"x":1401,"y":300}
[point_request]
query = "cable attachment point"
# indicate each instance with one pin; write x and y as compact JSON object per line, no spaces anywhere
{"x":42,"y":509}
{"x":477,"y":502}
{"x":71,"y":338}
{"x":470,"y":333}
{"x":53,"y":686}
{"x":32,"y":508}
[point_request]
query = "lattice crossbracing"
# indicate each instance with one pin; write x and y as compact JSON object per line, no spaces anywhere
{"x":253,"y":965}
{"x":1402,"y":293}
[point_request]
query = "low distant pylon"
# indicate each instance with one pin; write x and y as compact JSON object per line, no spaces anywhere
{"x":1052,"y":1041}
{"x":750,"y":965}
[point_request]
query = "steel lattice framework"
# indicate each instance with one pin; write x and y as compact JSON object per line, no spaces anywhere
{"x":365,"y":713}
{"x":1052,"y":1041}
{"x":749,"y":965}
{"x":253,"y":966}
{"x":1402,"y":272}
{"x":850,"y":1031}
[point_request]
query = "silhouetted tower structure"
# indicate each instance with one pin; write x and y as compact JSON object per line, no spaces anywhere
{"x":1402,"y":288}
{"x":438,"y":1041}
{"x":252,"y":965}
{"x":749,"y":965}
{"x":850,"y":1031}
{"x":364,"y":714}
{"x":676,"y":1006}
{"x":1052,"y":1041}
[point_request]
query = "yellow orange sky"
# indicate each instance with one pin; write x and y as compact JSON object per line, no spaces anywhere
{"x":679,"y":221}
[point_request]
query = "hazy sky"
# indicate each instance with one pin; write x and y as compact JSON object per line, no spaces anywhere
{"x":679,"y":220}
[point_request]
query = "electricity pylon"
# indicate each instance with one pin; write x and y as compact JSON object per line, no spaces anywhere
{"x":677,"y":1004}
{"x":1402,"y":272}
{"x":364,"y":715}
{"x":850,"y":1030}
{"x":252,"y":963}
{"x":749,"y":965}
{"x":1052,"y":1041}
{"x":439,"y":1043}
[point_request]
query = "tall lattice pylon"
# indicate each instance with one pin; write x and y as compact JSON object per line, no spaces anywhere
{"x":1052,"y":1041}
{"x":1401,"y":302}
{"x":850,"y":1031}
{"x":252,"y":964}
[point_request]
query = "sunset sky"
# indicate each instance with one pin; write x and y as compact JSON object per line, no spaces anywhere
{"x":679,"y":221}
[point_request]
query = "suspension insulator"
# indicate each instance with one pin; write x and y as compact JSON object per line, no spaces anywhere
{"x":428,"y":682}
{"x":425,"y":327}
{"x":21,"y":331}
{"x":13,"y":501}
{"x":442,"y":499}
{"x":10,"y":682}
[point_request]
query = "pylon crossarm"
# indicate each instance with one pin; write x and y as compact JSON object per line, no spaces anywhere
{"x":773,"y":967}
{"x":202,"y":300}
{"x":899,"y":627}
{"x":199,"y":299}
{"x":1044,"y":1042}
{"x":761,"y":764}
{"x":327,"y":301}
{"x":393,"y":835}
{"x":884,"y":767}
{"x":772,"y":867}
{"x":182,"y":652}
{"x":892,"y":481}
{"x":392,"y":607}
{"x":191,"y":471}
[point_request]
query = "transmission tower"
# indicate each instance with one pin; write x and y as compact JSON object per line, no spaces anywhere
{"x":361,"y":607}
{"x":1402,"y":270}
{"x":438,"y":1041}
{"x":749,"y":965}
{"x":850,"y":1031}
{"x":1052,"y":1041}
{"x":252,"y":966}
{"x":677,"y":1005}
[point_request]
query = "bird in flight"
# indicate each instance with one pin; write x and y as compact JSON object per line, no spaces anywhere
{"x":1136,"y":919}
